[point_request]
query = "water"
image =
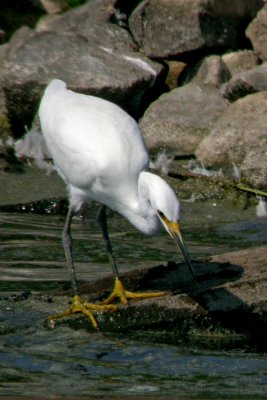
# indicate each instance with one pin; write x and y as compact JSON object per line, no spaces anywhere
{"x":67,"y":362}
{"x":38,"y":361}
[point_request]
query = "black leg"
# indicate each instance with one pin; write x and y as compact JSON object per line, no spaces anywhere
{"x":102,"y":220}
{"x":67,"y":244}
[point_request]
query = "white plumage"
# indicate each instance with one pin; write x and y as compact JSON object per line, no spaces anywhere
{"x":99,"y":151}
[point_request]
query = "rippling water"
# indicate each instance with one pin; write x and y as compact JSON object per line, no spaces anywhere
{"x":71,"y":363}
{"x":36,"y":361}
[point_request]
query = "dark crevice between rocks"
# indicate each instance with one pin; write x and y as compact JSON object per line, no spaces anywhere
{"x":127,"y":7}
{"x":20,"y":12}
{"x":122,"y":11}
{"x":31,"y":104}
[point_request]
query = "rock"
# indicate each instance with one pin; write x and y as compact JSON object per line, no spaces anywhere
{"x":254,"y":168}
{"x":239,"y":61}
{"x":88,"y":64}
{"x":31,"y":186}
{"x":95,"y":21}
{"x":212,"y":71}
{"x":230,"y":297}
{"x":171,"y":28}
{"x":180,"y":119}
{"x":54,"y":6}
{"x":247,"y":82}
{"x":257,"y":33}
{"x":239,"y":129}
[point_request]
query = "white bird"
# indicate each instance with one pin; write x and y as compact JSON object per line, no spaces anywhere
{"x":100,"y":153}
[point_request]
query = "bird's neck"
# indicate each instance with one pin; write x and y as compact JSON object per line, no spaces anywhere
{"x":139,"y":211}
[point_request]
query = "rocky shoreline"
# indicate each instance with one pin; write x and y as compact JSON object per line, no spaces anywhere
{"x":193,"y":73}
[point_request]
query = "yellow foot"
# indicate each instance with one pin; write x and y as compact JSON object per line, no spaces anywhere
{"x":80,"y":306}
{"x":124,"y":295}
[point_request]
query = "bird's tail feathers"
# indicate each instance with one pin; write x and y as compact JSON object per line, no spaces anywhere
{"x":55,"y":85}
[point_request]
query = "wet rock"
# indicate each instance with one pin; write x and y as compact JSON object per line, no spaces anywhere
{"x":180,"y":119}
{"x":191,"y":26}
{"x":91,"y":64}
{"x":257,"y":33}
{"x":231,"y":295}
{"x":240,"y":128}
{"x":247,"y":82}
{"x":239,"y":61}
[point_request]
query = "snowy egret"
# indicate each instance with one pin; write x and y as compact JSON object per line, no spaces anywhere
{"x":100,"y":153}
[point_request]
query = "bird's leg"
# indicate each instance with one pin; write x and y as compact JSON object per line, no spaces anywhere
{"x":119,"y":290}
{"x":102,"y":221}
{"x":77,"y":305}
{"x":67,"y":245}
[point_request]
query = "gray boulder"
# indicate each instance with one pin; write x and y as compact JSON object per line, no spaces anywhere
{"x":103,"y":65}
{"x":257,"y":33}
{"x":241,"y":128}
{"x":176,"y":27}
{"x":239,"y":61}
{"x":212,"y":71}
{"x":247,"y":82}
{"x":180,"y":119}
{"x":93,"y":21}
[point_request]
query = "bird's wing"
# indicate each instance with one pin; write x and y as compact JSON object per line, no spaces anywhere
{"x":91,"y":138}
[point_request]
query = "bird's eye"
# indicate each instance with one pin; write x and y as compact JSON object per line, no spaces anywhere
{"x":161,"y":214}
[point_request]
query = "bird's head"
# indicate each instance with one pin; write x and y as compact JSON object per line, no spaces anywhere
{"x":164,"y":202}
